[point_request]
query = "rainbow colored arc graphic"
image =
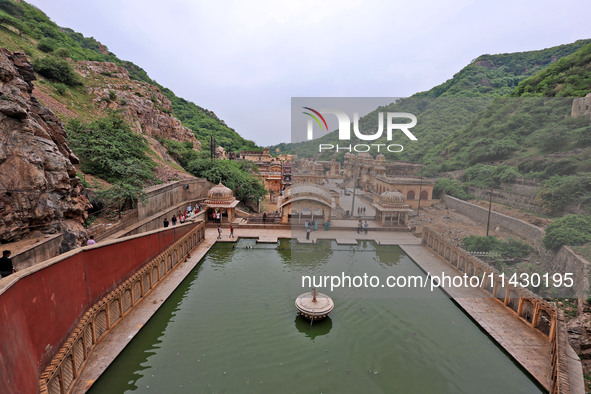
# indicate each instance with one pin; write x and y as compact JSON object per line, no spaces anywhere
{"x":315,"y":118}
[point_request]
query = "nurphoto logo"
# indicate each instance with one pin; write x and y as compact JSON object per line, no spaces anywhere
{"x":344,"y":123}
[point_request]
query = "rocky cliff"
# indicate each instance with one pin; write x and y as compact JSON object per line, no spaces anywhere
{"x":147,"y":109}
{"x":39,"y":190}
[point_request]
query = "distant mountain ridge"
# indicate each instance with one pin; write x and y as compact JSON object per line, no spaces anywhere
{"x":451,"y":106}
{"x":23,"y":27}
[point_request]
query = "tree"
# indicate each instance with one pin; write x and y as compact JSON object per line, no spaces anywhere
{"x":236,"y":175}
{"x":568,"y":230}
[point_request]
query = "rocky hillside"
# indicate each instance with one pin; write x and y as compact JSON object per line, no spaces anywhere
{"x":39,"y":190}
{"x":451,"y":106}
{"x":107,"y":87}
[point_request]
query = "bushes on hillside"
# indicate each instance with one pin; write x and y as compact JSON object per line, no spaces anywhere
{"x":511,"y":249}
{"x":109,"y":149}
{"x":452,"y":188}
{"x":559,"y":191}
{"x":56,"y":68}
{"x":488,"y":175}
{"x":568,"y":230}
{"x":234,"y":174}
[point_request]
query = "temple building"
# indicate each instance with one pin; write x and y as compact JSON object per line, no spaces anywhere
{"x":273,"y":171}
{"x":377,"y":176}
{"x":221,"y":199}
{"x":391,"y":209}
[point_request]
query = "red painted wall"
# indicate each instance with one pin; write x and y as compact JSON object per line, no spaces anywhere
{"x":40,"y":310}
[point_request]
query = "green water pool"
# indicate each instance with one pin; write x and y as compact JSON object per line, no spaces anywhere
{"x":231,"y":327}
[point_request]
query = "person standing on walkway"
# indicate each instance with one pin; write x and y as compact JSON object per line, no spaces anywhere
{"x":6,"y":267}
{"x":219,"y":232}
{"x":359,"y":226}
{"x":166,"y":223}
{"x":231,"y":231}
{"x":366,"y":226}
{"x":173,"y":220}
{"x":307,"y":232}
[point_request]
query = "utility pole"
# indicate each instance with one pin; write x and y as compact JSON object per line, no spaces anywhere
{"x":420,"y":190}
{"x":354,"y":184}
{"x":489,"y":209}
{"x":211,"y":147}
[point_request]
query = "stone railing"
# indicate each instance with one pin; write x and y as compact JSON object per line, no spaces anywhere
{"x":539,"y":315}
{"x":61,"y":373}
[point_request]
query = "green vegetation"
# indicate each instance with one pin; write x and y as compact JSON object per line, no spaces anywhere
{"x":237,"y":175}
{"x":570,"y":76}
{"x":451,"y":187}
{"x":559,"y":191}
{"x":568,"y":230}
{"x":54,"y":44}
{"x":57,"y":69}
{"x":444,"y":111}
{"x":121,"y":194}
{"x":483,"y":175}
{"x":110,"y":150}
{"x":511,"y":249}
{"x":522,"y":131}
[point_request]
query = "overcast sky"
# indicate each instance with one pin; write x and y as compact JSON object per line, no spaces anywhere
{"x":244,"y":60}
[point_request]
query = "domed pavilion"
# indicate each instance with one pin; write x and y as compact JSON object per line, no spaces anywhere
{"x":391,"y":208}
{"x":221,"y":199}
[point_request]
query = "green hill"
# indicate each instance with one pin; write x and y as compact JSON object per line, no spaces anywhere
{"x":568,"y":77}
{"x":451,"y":106}
{"x":23,"y":27}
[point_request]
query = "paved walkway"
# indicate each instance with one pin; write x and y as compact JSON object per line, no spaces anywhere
{"x":529,"y":349}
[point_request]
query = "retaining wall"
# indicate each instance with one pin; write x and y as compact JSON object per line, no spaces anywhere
{"x":162,"y":197}
{"x":506,"y":223}
{"x":41,"y":305}
{"x":42,"y":251}
{"x":565,"y":260}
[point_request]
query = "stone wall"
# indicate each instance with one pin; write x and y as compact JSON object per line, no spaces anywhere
{"x":519,"y":194}
{"x":563,"y":261}
{"x":163,"y":197}
{"x":42,"y":251}
{"x":520,"y":228}
{"x":155,"y":222}
{"x":41,"y":305}
{"x":581,"y":107}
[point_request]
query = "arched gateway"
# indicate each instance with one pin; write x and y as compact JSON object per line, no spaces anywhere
{"x":306,"y":197}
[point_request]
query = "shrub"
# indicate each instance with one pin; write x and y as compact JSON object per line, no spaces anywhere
{"x":451,"y":187}
{"x":53,"y":67}
{"x":568,"y":230}
{"x":558,"y":191}
{"x":60,"y":88}
{"x":109,"y":149}
{"x":47,"y":45}
{"x":509,"y":249}
{"x":475,"y":243}
{"x":62,"y":52}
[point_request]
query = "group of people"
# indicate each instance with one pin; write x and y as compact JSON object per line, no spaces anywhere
{"x":217,"y":217}
{"x":362,"y":227}
{"x":181,"y":217}
{"x":360,"y":210}
{"x":220,"y":231}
